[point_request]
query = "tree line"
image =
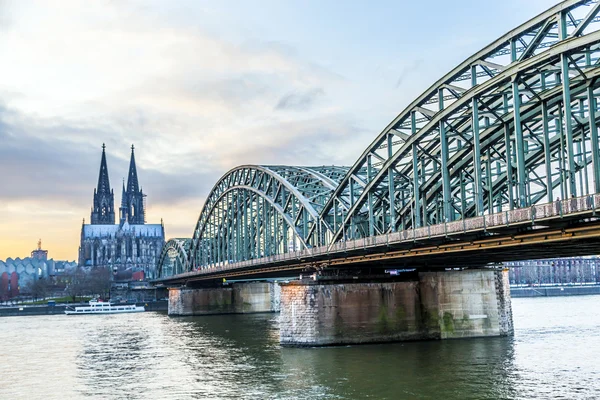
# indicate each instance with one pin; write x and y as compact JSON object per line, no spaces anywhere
{"x":75,"y":284}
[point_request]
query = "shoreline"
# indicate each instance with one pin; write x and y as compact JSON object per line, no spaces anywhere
{"x":554,"y":291}
{"x":16,"y":311}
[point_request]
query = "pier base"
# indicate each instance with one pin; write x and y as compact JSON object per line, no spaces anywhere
{"x":438,"y":305}
{"x":237,"y":298}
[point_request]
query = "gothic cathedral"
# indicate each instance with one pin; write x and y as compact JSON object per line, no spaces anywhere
{"x":130,"y":248}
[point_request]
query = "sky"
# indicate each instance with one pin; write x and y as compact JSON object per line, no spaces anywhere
{"x":200,"y":87}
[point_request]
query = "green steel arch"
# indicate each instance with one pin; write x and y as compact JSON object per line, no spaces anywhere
{"x":512,"y":126}
{"x":509,"y":127}
{"x":173,"y":259}
{"x":257,"y":211}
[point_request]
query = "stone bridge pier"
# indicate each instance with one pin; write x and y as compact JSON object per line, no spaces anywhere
{"x":436,"y":305}
{"x":430,"y":305}
{"x":235,"y":298}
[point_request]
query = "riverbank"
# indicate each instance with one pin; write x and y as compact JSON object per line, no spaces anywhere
{"x":550,"y":291}
{"x":14,"y":311}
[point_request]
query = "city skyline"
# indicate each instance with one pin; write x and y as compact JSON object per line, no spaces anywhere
{"x":197,"y":97}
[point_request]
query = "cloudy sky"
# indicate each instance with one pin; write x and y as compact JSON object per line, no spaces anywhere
{"x":200,"y":87}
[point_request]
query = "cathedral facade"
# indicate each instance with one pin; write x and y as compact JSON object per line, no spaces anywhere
{"x":130,"y":246}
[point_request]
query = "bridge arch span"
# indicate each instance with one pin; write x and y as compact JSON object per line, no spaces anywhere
{"x":256,"y":211}
{"x":174,"y":257}
{"x":512,"y":125}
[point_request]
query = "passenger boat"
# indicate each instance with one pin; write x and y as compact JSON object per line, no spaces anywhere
{"x":100,"y":307}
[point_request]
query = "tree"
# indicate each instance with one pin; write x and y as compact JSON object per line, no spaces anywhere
{"x":3,"y":293}
{"x":76,"y":281}
{"x":95,"y":282}
{"x":98,"y":282}
{"x":38,"y":288}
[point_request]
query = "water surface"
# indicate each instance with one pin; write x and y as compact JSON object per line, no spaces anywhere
{"x":554,"y":354}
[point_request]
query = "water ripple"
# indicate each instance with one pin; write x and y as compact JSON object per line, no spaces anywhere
{"x":552,"y":355}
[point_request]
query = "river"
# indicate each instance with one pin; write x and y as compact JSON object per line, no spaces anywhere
{"x":554,"y":354}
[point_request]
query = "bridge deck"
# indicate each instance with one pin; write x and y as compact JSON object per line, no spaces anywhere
{"x":563,"y":228}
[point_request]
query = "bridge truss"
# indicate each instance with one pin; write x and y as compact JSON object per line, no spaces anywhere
{"x":507,"y":128}
{"x":514,"y":125}
{"x":259,"y":211}
{"x":173,"y":259}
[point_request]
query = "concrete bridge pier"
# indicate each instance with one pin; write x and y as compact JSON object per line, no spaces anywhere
{"x":436,"y":305}
{"x":235,"y":298}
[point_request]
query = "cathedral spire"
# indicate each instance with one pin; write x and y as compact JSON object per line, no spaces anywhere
{"x":123,"y":208}
{"x":136,"y":209}
{"x":124,"y":196}
{"x":103,"y":209}
{"x":103,"y":181}
{"x":132,"y":179}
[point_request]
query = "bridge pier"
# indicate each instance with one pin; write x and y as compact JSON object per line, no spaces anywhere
{"x":236,"y":298}
{"x":436,"y":305}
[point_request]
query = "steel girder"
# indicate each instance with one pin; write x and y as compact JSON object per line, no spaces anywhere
{"x":173,"y":259}
{"x":256,"y":211}
{"x":512,"y":126}
{"x":509,"y":127}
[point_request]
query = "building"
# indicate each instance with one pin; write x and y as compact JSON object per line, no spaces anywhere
{"x":555,"y":271}
{"x":130,"y":246}
{"x":15,"y":274}
{"x":38,"y":253}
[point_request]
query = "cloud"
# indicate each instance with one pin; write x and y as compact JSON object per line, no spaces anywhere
{"x":407,"y":70}
{"x":194,"y":103}
{"x":335,"y":139}
{"x":5,"y":20}
{"x":36,"y":163}
{"x":299,"y":101}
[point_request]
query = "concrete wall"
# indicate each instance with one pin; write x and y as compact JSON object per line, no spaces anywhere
{"x":504,"y":303}
{"x":466,"y":303}
{"x":31,"y":310}
{"x":237,"y":298}
{"x":321,"y":314}
{"x":440,"y":305}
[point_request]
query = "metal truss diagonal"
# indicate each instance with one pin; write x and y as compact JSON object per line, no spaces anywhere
{"x":511,"y":127}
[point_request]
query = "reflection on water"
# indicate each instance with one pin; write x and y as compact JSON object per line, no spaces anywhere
{"x":430,"y":370}
{"x":149,"y":355}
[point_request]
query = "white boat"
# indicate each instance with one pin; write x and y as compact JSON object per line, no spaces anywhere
{"x":100,"y":307}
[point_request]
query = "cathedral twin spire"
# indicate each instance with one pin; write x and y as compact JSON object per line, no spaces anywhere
{"x":132,"y":207}
{"x":136,"y":210}
{"x":103,"y":210}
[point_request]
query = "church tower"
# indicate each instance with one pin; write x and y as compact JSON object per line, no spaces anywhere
{"x":129,"y":249}
{"x":103,"y":210}
{"x":136,"y":212}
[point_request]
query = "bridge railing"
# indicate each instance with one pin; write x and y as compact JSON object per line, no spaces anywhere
{"x":529,"y":215}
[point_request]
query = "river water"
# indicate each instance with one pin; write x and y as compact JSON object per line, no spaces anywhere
{"x":554,"y":354}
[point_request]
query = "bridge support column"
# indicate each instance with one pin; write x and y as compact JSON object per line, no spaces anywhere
{"x":437,"y":305}
{"x":237,"y":298}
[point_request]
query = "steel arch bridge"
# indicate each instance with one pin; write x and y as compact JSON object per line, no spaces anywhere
{"x":173,"y":259}
{"x":257,"y":211}
{"x":513,"y":126}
